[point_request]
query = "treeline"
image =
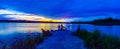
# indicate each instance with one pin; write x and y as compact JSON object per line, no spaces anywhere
{"x":108,"y":21}
{"x":24,"y":21}
{"x":29,"y":21}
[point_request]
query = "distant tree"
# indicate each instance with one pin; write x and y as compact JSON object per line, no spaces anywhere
{"x":109,"y":20}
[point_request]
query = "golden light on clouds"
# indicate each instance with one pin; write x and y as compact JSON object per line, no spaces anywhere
{"x":14,"y":15}
{"x":32,"y":18}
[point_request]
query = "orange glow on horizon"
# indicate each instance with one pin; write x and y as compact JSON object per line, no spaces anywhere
{"x":51,"y":20}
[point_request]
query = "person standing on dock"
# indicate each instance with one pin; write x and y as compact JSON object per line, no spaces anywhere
{"x":61,"y":27}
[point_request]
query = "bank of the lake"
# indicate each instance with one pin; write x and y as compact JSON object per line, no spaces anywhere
{"x":95,"y":40}
{"x":55,"y":39}
{"x":22,"y":40}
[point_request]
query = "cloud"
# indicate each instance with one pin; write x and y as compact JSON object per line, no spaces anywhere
{"x":19,"y":15}
{"x":3,"y":11}
{"x":51,"y":8}
{"x":61,"y":9}
{"x":14,"y":15}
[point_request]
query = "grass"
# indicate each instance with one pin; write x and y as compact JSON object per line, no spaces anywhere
{"x":95,"y":40}
{"x":24,"y":40}
{"x":28,"y":43}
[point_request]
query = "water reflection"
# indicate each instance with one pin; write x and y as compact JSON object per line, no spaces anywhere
{"x":27,"y":27}
{"x":8,"y":28}
{"x":33,"y":27}
{"x":109,"y":30}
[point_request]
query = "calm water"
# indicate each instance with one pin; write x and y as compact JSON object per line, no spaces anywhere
{"x":8,"y":28}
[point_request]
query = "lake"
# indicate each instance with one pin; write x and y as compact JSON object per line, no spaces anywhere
{"x":8,"y":28}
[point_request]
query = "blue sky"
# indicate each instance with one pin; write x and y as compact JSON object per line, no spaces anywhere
{"x":83,"y":9}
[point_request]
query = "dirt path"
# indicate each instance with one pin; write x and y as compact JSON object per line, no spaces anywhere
{"x":62,"y":40}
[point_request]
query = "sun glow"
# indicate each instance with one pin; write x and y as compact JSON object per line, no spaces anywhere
{"x":14,"y":15}
{"x":32,"y":18}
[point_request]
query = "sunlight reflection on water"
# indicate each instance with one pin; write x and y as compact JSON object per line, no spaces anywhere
{"x":8,"y":28}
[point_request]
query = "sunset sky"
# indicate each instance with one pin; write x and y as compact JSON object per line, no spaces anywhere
{"x":63,"y":10}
